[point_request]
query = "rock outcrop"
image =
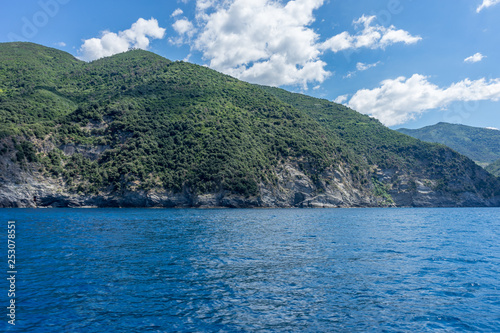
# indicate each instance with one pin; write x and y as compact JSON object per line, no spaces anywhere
{"x":293,"y":188}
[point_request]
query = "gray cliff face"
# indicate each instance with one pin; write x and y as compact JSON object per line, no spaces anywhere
{"x":295,"y":189}
{"x":292,"y":188}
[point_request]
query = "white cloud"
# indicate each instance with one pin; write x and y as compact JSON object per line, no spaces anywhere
{"x":492,"y":128}
{"x":370,"y":36}
{"x":341,"y":99}
{"x":177,"y":12}
{"x":475,"y":58}
{"x":271,"y":42}
{"x":363,"y":67}
{"x":486,"y":4}
{"x":349,"y":75}
{"x":397,"y":101}
{"x":60,"y":44}
{"x":360,"y":67}
{"x":261,"y":41}
{"x":202,"y":6}
{"x":138,"y":36}
{"x":184,"y":28}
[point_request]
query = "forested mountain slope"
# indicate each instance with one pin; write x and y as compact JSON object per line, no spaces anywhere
{"x":136,"y":129}
{"x":480,"y":144}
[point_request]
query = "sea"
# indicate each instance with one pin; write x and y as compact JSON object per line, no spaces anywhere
{"x":251,"y":270}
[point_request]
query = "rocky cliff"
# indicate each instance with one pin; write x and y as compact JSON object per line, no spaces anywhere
{"x":293,"y":188}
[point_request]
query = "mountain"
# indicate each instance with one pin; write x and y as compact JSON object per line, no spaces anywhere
{"x":480,"y":144}
{"x":494,"y":168}
{"x":138,"y":130}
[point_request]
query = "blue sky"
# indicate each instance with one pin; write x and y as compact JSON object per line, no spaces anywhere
{"x":408,"y":63}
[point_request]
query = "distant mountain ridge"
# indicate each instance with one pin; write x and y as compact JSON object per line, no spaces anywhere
{"x":138,"y":130}
{"x":480,"y":144}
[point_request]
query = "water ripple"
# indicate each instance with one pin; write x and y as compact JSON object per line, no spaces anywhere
{"x":361,"y":270}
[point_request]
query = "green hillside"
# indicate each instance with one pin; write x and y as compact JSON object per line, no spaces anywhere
{"x":166,"y":123}
{"x":494,"y":168}
{"x":480,"y":144}
{"x":139,"y":123}
{"x":366,"y":137}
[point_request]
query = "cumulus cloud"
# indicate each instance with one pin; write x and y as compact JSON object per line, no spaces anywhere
{"x":261,"y":41}
{"x":271,"y":42}
{"x":400,"y":100}
{"x":370,"y":35}
{"x":486,"y":4}
{"x":138,"y":36}
{"x":475,"y":58}
{"x":185,"y":29}
{"x":177,"y":12}
{"x":341,"y":99}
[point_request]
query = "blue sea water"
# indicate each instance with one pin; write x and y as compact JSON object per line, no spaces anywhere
{"x":254,"y":270}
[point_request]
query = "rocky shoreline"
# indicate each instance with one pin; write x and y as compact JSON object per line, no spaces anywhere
{"x":293,"y":189}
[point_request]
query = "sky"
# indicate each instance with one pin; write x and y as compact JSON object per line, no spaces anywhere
{"x":408,"y":63}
